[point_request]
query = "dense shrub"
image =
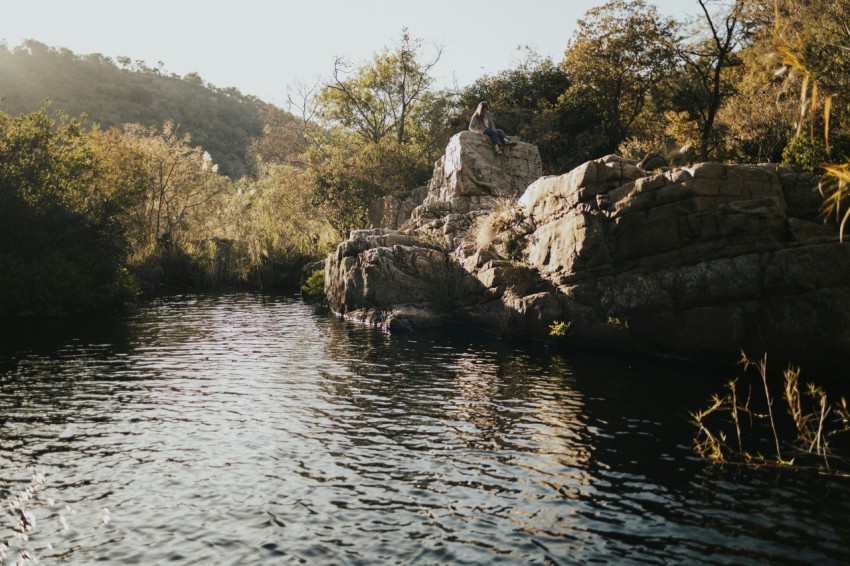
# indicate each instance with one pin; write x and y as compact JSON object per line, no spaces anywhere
{"x":806,"y":152}
{"x":61,"y":245}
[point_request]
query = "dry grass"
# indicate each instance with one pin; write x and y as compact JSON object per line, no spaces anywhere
{"x":499,"y":227}
{"x":735,"y":429}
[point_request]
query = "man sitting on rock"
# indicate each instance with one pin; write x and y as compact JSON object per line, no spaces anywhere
{"x":482,"y":122}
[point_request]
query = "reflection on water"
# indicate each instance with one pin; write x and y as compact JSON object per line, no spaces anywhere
{"x":247,"y":429}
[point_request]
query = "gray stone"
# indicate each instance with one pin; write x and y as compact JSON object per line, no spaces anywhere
{"x":470,"y":167}
{"x":698,"y":261}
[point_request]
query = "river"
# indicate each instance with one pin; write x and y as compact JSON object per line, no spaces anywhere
{"x":252,"y":429}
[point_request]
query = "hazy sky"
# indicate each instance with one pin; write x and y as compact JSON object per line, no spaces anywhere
{"x":263,"y":46}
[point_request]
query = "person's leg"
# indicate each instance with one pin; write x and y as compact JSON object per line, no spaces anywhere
{"x":493,"y":135}
{"x":504,"y":138}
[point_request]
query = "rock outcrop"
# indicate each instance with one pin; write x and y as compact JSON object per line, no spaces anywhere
{"x":696,"y":262}
{"x":389,"y":278}
{"x":392,"y":211}
{"x":470,"y":180}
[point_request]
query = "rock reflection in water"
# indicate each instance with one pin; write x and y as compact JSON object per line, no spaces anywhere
{"x":485,"y":443}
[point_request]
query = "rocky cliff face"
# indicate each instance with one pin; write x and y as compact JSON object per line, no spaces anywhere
{"x":468,"y":180}
{"x":696,"y":262}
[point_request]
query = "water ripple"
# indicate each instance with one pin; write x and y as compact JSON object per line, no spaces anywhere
{"x":249,"y":429}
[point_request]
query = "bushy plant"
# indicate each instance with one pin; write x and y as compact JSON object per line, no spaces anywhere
{"x":809,"y":153}
{"x":314,"y":287}
{"x":500,"y":226}
{"x":637,"y":148}
{"x":61,"y":243}
{"x":559,"y":328}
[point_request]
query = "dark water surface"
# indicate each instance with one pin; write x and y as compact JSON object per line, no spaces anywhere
{"x":243,"y":429}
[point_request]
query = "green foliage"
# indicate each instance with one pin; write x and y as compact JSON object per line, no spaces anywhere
{"x":757,"y":133}
{"x":559,"y":328}
{"x":806,"y":152}
{"x":836,"y":186}
{"x":525,"y":103}
{"x":77,"y":207}
{"x":349,"y":177}
{"x":388,"y":97}
{"x":314,"y":286}
{"x":513,"y":250}
{"x":222,"y":120}
{"x":810,"y":43}
{"x":61,"y":243}
{"x":174,"y":182}
{"x":615,"y":60}
{"x":709,"y":73}
{"x":283,"y":140}
{"x":275,"y":217}
{"x":205,"y":264}
{"x":259,"y":232}
{"x":383,"y":128}
{"x":502,"y":230}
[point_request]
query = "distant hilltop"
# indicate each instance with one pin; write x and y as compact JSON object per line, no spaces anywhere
{"x":112,"y":93}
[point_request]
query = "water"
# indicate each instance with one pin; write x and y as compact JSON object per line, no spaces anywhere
{"x":244,"y":429}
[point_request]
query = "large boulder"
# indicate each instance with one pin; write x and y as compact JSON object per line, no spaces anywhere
{"x":389,"y":279}
{"x":408,"y":279}
{"x":469,"y":180}
{"x":697,"y":261}
{"x":471,"y":168}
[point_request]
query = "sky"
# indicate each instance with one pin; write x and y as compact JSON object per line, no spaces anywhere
{"x":266,"y":47}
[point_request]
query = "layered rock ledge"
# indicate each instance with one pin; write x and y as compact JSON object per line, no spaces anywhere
{"x":697,"y":262}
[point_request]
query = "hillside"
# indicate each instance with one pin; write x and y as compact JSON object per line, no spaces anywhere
{"x":111,"y":93}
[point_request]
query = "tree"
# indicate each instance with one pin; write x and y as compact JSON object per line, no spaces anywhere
{"x":758,"y":121}
{"x":811,"y":43}
{"x":381,"y":127}
{"x":351,"y":176}
{"x":758,"y":126}
{"x":178,"y":183}
{"x":275,"y":217}
{"x":61,"y":243}
{"x":615,"y":59}
{"x":708,"y":60}
{"x":383,"y":98}
{"x":283,"y":140}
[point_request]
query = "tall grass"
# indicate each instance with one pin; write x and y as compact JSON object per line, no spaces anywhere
{"x":749,"y":430}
